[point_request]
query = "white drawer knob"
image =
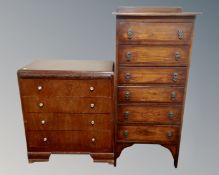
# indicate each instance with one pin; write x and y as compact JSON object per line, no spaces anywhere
{"x":39,"y":88}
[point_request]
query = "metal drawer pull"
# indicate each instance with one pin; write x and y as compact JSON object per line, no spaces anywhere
{"x":126,"y":133}
{"x":129,"y":56}
{"x":91,"y":88}
{"x":45,"y":139}
{"x":127,"y":95}
{"x":130,"y":33}
{"x":170,"y":115}
{"x":169,"y":134}
{"x":39,"y":88}
{"x":126,"y":115}
{"x":177,"y":56}
{"x":93,"y":140}
{"x":43,"y":122}
{"x":175,"y":76}
{"x":128,"y":76}
{"x":41,"y":105}
{"x":92,"y":105}
{"x":180,"y":34}
{"x":173,"y":95}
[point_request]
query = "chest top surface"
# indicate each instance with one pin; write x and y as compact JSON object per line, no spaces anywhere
{"x":152,"y":11}
{"x":67,"y":68}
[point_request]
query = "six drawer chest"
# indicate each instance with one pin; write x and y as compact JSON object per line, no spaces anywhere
{"x":100,"y":108}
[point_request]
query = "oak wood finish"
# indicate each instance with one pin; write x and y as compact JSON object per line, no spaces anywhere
{"x":150,"y":114}
{"x":153,"y":48}
{"x":152,"y":75}
{"x":150,"y":55}
{"x":67,"y":121}
{"x":150,"y":94}
{"x":68,"y":104}
{"x":65,"y":88}
{"x":154,"y":134}
{"x":68,"y":107}
{"x":154,"y":32}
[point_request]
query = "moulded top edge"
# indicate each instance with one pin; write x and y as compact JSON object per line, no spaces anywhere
{"x":156,"y":13}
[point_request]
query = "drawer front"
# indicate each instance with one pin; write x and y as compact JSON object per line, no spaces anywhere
{"x":152,"y":75}
{"x":153,"y":55}
{"x":148,"y":134}
{"x":152,"y":32}
{"x":150,"y":94}
{"x":67,"y":104}
{"x":59,"y":121}
{"x":77,"y":88}
{"x":75,"y":141}
{"x":170,"y":114}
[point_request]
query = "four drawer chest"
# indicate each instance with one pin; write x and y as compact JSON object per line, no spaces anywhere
{"x":81,"y":106}
{"x":68,"y":107}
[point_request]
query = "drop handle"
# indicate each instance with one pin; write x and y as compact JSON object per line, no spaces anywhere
{"x":130,"y":34}
{"x":128,"y":76}
{"x":175,"y":76}
{"x":127,"y":94}
{"x":170,"y":115}
{"x":169,"y":134}
{"x":126,"y":115}
{"x":173,"y":95}
{"x":177,"y":56}
{"x":129,"y":56}
{"x":180,"y":34}
{"x":126,"y":133}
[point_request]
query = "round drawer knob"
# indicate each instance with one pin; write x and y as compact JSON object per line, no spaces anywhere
{"x":91,"y":88}
{"x":39,"y":88}
{"x":92,"y":122}
{"x":92,"y":105}
{"x":45,"y":139}
{"x":43,"y":122}
{"x":93,"y":140}
{"x":41,"y":105}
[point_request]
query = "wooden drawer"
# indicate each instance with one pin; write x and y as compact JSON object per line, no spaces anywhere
{"x":75,"y":141}
{"x":128,"y":32}
{"x":155,"y":114}
{"x":150,"y":94}
{"x":148,"y":134}
{"x":61,"y":87}
{"x":67,"y":104}
{"x":63,"y":121}
{"x":153,"y":55}
{"x":152,"y":75}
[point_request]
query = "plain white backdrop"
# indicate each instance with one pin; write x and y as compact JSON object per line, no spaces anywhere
{"x":85,"y":29}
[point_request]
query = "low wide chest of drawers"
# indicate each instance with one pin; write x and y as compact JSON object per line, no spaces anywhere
{"x":68,"y":107}
{"x":153,"y":46}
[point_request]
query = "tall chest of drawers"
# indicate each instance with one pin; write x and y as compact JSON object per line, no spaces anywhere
{"x":153,"y":54}
{"x":68,"y":107}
